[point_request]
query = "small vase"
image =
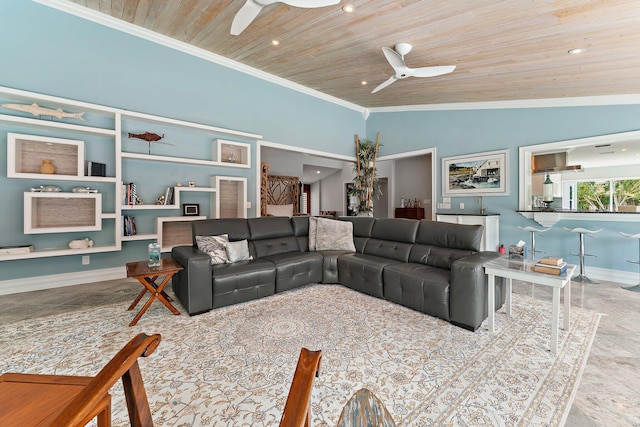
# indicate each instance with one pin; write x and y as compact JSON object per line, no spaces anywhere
{"x":47,"y":167}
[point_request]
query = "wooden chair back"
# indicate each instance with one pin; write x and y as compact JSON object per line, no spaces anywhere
{"x":297,"y":410}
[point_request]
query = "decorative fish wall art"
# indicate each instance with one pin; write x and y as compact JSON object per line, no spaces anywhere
{"x":37,"y":110}
{"x":149,"y":137}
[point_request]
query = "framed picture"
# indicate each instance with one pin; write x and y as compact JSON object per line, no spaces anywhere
{"x":476,"y":174}
{"x":190,"y":209}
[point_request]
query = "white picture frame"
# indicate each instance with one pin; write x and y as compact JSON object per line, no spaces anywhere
{"x":477,"y":174}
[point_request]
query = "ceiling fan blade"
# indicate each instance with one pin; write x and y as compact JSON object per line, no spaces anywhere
{"x":384,"y":84}
{"x":395,"y":60}
{"x":310,"y":4}
{"x":430,"y":71}
{"x":245,"y":16}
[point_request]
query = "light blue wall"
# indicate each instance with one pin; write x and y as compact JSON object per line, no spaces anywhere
{"x":473,"y":131}
{"x":51,"y":52}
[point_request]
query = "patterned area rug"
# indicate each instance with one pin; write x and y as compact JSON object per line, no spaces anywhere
{"x":233,"y":366}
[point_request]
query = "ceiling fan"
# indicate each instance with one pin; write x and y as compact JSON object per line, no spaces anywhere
{"x":396,"y":60}
{"x":252,"y":8}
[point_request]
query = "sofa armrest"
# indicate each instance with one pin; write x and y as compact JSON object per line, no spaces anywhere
{"x":468,"y":290}
{"x":192,"y":285}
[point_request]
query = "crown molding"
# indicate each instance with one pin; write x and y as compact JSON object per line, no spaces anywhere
{"x":580,"y":101}
{"x":143,"y":33}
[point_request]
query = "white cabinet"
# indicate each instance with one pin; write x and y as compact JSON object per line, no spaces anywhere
{"x":490,"y":237}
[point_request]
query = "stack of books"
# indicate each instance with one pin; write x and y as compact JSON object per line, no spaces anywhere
{"x":550,"y":265}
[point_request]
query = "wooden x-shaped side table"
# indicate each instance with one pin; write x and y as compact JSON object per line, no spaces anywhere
{"x":146,"y":275}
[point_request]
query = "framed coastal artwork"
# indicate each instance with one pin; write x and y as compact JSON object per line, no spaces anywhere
{"x":476,"y":174}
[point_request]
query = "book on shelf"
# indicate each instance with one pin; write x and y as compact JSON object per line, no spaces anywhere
{"x":129,"y":226}
{"x":169,"y":196}
{"x":551,"y":260}
{"x":550,"y":269}
{"x":13,"y":250}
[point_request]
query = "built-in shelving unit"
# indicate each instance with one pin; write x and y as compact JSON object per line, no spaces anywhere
{"x":78,"y":132}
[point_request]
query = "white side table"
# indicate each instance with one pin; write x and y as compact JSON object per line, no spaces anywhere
{"x":523,"y":270}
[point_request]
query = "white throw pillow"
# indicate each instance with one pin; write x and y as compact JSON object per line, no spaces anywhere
{"x":280,"y":210}
{"x":214,"y":246}
{"x":334,"y":235}
{"x":313,"y":232}
{"x":238,"y":251}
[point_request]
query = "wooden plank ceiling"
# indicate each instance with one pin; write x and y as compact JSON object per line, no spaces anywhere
{"x":503,"y":50}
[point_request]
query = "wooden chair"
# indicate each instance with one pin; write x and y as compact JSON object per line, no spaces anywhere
{"x":297,"y":410}
{"x":61,"y":400}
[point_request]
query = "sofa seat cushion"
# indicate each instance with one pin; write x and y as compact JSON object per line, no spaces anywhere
{"x":295,"y":269}
{"x":363,"y":272}
{"x":330,"y":265}
{"x":242,"y":281}
{"x":420,"y":287}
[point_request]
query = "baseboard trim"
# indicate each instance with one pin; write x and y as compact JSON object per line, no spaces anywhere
{"x":618,"y":276}
{"x":38,"y":283}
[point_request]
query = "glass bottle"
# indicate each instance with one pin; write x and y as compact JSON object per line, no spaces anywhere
{"x":154,"y":255}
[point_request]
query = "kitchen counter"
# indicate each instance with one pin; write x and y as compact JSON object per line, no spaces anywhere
{"x":549,"y":218}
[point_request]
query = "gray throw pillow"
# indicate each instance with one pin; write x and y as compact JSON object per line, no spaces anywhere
{"x":334,"y":235}
{"x":214,"y":246}
{"x":313,"y":232}
{"x":238,"y":251}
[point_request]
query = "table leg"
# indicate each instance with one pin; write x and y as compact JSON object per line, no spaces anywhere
{"x":567,"y":305}
{"x":555,"y":314}
{"x":138,"y":298}
{"x":161,"y":295}
{"x":491,"y":301}
{"x":508,"y":296}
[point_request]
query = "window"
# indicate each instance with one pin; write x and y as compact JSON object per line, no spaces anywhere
{"x":608,"y":195}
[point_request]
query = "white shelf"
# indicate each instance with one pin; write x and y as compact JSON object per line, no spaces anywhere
{"x":175,"y":231}
{"x":50,"y":212}
{"x":42,"y":253}
{"x":148,"y":207}
{"x":169,"y":159}
{"x":190,"y":125}
{"x":142,"y":236}
{"x":56,"y":125}
{"x":101,"y":134}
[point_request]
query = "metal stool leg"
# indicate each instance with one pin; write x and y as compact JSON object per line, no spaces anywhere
{"x":582,"y":278}
{"x":635,"y":288}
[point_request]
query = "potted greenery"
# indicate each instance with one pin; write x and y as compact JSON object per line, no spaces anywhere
{"x":365,"y":184}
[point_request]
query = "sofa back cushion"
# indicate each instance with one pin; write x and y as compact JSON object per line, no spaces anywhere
{"x":236,"y":228}
{"x":436,"y":256}
{"x":272,"y":235}
{"x":395,"y":229}
{"x":447,"y":235}
{"x":301,"y":231}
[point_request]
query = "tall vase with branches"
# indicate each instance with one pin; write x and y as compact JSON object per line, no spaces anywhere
{"x":365,"y":184}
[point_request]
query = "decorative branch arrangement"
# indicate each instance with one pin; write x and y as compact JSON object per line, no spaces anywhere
{"x":366,"y":185}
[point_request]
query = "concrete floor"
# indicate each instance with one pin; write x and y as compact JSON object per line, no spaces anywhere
{"x":608,"y":391}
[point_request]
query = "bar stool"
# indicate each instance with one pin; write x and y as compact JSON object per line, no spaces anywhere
{"x":635,"y":288}
{"x":533,"y":232}
{"x":582,"y":231}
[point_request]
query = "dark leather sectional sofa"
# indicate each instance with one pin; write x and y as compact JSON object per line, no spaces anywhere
{"x":432,"y":267}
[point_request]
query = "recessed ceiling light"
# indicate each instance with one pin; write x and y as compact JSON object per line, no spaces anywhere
{"x":364,"y":83}
{"x":318,"y":172}
{"x":576,"y":51}
{"x":275,"y":42}
{"x":348,"y":8}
